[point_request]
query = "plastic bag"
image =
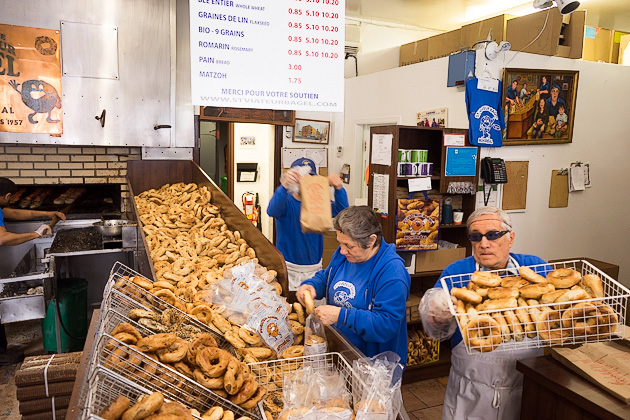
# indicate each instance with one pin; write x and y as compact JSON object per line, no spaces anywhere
{"x":377,"y":394}
{"x":437,"y":320}
{"x":294,"y":188}
{"x":314,"y":336}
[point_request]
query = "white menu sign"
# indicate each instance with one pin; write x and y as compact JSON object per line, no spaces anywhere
{"x":277,"y":54}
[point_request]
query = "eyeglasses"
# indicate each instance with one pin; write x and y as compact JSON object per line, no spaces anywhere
{"x":493,"y":235}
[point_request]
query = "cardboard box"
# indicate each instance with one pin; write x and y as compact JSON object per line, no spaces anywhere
{"x":523,"y":30}
{"x":624,"y":51}
{"x":616,"y":46}
{"x":572,"y":35}
{"x":445,"y":44}
{"x":597,"y":44}
{"x":414,"y":52}
{"x":478,"y":31}
{"x":438,"y":259}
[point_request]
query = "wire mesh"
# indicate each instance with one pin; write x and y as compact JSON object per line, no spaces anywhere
{"x":535,"y":324}
{"x":270,"y":374}
{"x":153,"y":375}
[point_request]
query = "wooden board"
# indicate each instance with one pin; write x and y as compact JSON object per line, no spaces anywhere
{"x":559,"y":190}
{"x":515,"y":191}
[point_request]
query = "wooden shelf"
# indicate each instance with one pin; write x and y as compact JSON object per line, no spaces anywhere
{"x":432,"y":370}
{"x":404,"y":177}
{"x":452,"y":226}
{"x":426,"y":274}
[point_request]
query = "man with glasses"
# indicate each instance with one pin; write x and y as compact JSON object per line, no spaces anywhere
{"x":480,"y":385}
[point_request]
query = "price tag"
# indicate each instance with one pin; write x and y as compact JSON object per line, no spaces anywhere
{"x":491,"y":85}
{"x":420,"y":184}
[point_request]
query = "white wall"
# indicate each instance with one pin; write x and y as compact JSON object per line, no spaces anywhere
{"x":595,"y":224}
{"x":261,"y":153}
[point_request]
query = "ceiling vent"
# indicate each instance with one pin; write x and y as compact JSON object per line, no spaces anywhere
{"x":353,"y":39}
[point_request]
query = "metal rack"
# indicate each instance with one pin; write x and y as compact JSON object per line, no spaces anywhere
{"x":153,"y":375}
{"x":553,"y":324}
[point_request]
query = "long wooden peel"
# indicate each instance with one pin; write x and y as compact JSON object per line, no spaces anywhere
{"x":65,"y":210}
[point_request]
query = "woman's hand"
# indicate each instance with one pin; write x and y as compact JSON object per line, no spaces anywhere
{"x":328,"y":314}
{"x":300,"y":293}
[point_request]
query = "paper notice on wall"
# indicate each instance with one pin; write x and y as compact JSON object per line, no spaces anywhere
{"x":382,"y":149}
{"x":577,"y":177}
{"x":380,"y":193}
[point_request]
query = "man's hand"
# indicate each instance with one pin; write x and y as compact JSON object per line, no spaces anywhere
{"x":300,"y":293}
{"x":291,"y":177}
{"x":59,"y":215}
{"x":328,"y":314}
{"x":43,"y":230}
{"x":335,"y":181}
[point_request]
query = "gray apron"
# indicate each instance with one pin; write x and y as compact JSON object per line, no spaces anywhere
{"x":298,"y":273}
{"x":485,"y":386}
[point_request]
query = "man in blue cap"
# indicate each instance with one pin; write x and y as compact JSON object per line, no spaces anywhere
{"x":302,"y":251}
{"x":553,"y":103}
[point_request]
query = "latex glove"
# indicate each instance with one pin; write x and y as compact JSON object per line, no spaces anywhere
{"x":290,"y":180}
{"x":437,"y":320}
{"x":43,"y":230}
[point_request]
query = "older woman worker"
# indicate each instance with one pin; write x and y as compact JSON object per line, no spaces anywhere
{"x":483,"y":385}
{"x":366,"y":286}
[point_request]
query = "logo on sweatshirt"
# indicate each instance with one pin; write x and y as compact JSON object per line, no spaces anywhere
{"x":487,"y":123}
{"x":346,"y":292}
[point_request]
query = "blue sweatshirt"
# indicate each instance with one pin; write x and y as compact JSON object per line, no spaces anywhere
{"x":297,"y":247}
{"x":485,"y":115}
{"x":373,"y":297}
{"x":468,"y":266}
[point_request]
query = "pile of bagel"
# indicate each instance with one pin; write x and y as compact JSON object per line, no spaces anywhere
{"x":199,"y":359}
{"x":532,"y":305}
{"x":154,"y":407}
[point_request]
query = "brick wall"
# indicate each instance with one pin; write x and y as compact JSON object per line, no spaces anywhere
{"x":34,"y":164}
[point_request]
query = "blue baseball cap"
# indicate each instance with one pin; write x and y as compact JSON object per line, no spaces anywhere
{"x":555,"y":87}
{"x":305,"y":162}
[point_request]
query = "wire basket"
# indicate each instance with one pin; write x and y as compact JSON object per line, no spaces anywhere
{"x":153,"y":375}
{"x":270,"y":374}
{"x":536,"y":324}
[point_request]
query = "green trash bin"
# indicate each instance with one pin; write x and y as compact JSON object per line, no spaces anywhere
{"x":72,"y":295}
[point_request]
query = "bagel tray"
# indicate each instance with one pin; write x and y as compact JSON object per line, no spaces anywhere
{"x":554,"y":304}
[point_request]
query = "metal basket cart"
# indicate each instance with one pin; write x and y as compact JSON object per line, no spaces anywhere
{"x":551,"y":324}
{"x":270,"y":374}
{"x":113,"y":355}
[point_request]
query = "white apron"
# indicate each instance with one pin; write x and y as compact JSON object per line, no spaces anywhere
{"x":485,"y":386}
{"x":298,"y":273}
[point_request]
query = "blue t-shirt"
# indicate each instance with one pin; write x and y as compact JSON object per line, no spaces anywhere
{"x":544,"y":86}
{"x":485,"y":116}
{"x":1,"y":218}
{"x":372,"y":296}
{"x":553,"y":109}
{"x":469,"y":265}
{"x":298,"y":247}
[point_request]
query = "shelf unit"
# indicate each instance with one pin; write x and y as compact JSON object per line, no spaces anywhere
{"x":431,"y":139}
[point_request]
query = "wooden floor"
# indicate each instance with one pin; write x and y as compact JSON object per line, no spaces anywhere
{"x":423,"y":400}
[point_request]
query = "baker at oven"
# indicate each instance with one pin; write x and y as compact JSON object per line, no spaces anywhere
{"x":366,"y":286}
{"x":7,"y":188}
{"x":481,"y":385}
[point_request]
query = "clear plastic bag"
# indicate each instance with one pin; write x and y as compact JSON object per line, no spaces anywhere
{"x":314,"y":336}
{"x":378,"y":397}
{"x":437,"y":320}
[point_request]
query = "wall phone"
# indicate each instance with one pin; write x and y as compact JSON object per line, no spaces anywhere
{"x":493,"y":171}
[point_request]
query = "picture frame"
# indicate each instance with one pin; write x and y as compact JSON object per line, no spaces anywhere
{"x":432,"y":118}
{"x":522,"y":106}
{"x":311,"y":131}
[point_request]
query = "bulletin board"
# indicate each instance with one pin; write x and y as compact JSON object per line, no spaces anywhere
{"x":559,"y":189}
{"x":319,"y":156}
{"x":515,"y":191}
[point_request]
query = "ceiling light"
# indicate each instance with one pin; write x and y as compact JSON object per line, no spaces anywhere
{"x":565,"y":6}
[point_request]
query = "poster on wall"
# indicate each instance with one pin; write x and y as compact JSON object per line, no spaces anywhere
{"x":30,"y":80}
{"x":268,"y":54}
{"x":418,"y":224}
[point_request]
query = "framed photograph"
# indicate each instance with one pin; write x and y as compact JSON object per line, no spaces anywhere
{"x":311,"y":131}
{"x":539,"y":106}
{"x":433,"y":118}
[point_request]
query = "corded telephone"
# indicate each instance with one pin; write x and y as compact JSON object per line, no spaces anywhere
{"x":493,"y":171}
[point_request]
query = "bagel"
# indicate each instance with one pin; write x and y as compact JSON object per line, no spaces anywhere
{"x":549,"y":327}
{"x":582,"y":318}
{"x":551,"y":296}
{"x":503,"y":292}
{"x":142,"y":282}
{"x":593,"y":285}
{"x":506,"y":334}
{"x":309,"y":304}
{"x":524,"y":317}
{"x":564,"y":278}
{"x":125,"y":327}
{"x":203,"y":313}
{"x":250,"y":337}
{"x":610,"y":319}
{"x":530,"y":275}
{"x":571,"y":295}
{"x":255,"y":399}
{"x":144,"y":407}
{"x":154,"y":342}
{"x":208,"y":382}
{"x":163,"y":284}
{"x":514,"y":324}
{"x":482,"y":333}
{"x":485,"y":278}
{"x":499,"y":304}
{"x":293,"y":351}
{"x":273,"y":403}
{"x":213,"y":361}
{"x":466,"y":295}
{"x":173,"y":353}
{"x":126,"y":338}
{"x":183,"y":368}
{"x":167,"y":296}
{"x":234,"y":377}
{"x":202,"y":340}
{"x":513,"y":281}
{"x":248,"y":389}
{"x":153,"y":325}
{"x":481,"y":291}
{"x":234,"y":339}
{"x":137,"y":313}
{"x":116,"y":409}
{"x":313,"y":339}
{"x":535,"y":291}
{"x":300,"y":312}
{"x":260,"y":353}
{"x":215,"y":413}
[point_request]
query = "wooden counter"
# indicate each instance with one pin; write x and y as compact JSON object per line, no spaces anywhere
{"x":146,"y":174}
{"x":553,"y":392}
